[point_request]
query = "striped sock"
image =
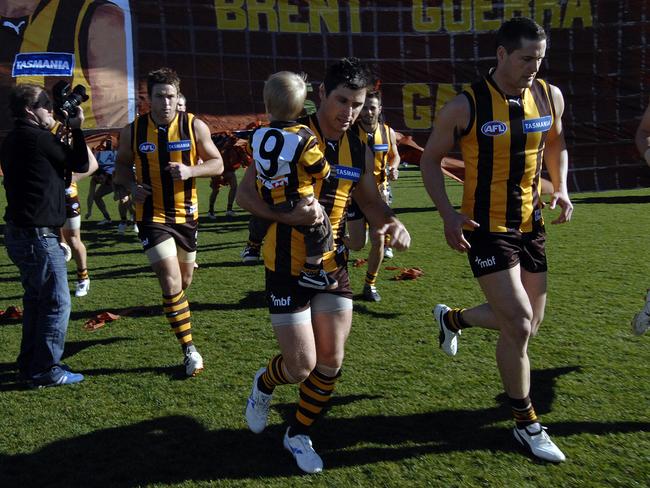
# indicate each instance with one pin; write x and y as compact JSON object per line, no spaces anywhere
{"x":82,"y":274}
{"x":315,"y":393}
{"x":371,"y":278}
{"x":177,"y":311}
{"x":311,"y":269}
{"x":454,"y":320}
{"x":273,"y":376}
{"x":523,"y":412}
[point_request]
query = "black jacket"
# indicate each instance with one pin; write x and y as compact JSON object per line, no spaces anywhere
{"x":34,"y":164}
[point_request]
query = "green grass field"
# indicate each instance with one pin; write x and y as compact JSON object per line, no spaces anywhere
{"x":404,"y":414}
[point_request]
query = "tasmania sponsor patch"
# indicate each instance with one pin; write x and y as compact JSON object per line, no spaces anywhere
{"x":43,"y":64}
{"x":347,"y":173}
{"x":541,"y":124}
{"x":185,"y":145}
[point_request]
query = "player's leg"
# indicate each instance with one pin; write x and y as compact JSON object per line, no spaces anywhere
{"x":375,"y":258}
{"x":71,"y":232}
{"x":257,"y":228}
{"x":318,"y":241}
{"x":511,"y":306}
{"x":291,"y":321}
{"x":160,"y":249}
{"x":214,"y":193}
{"x":100,"y":192}
{"x":332,"y":318}
{"x":232,"y":193}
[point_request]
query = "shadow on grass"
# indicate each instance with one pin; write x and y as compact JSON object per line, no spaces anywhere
{"x":405,"y":210}
{"x":252,"y":300}
{"x":359,"y":307}
{"x":9,"y":380}
{"x":615,"y":199}
{"x":72,"y":348}
{"x":177,"y":449}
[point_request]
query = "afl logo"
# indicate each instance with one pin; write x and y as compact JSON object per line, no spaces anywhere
{"x":494,"y":128}
{"x":147,"y":147}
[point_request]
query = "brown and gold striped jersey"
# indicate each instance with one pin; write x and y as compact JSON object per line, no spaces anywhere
{"x":288,"y":160}
{"x":503,"y":149}
{"x":380,"y":144}
{"x":51,"y":30}
{"x":284,"y":247}
{"x":171,"y":201}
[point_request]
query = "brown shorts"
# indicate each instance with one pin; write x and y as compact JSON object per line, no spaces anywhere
{"x":497,"y":251}
{"x":153,"y":233}
{"x":285,"y":295}
{"x":72,"y":207}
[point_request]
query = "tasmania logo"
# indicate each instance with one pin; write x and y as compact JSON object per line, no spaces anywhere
{"x":494,"y":128}
{"x":43,"y":64}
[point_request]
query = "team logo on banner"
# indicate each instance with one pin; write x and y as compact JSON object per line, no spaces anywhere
{"x":537,"y":125}
{"x":147,"y":147}
{"x":185,"y":145}
{"x":494,"y":128}
{"x":347,"y":173}
{"x":43,"y":64}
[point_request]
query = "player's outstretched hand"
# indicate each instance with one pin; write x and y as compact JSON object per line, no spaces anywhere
{"x":454,"y":231}
{"x":562,"y":199}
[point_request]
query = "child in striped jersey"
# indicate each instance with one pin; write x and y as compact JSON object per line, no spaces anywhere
{"x":288,"y":160}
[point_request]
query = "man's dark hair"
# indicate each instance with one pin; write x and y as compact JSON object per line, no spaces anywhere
{"x":22,"y":96}
{"x":512,"y":32}
{"x":163,"y":76}
{"x":374,"y":94}
{"x":349,"y":72}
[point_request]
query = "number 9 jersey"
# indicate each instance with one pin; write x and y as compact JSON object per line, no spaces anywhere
{"x":288,"y":160}
{"x":284,"y":247}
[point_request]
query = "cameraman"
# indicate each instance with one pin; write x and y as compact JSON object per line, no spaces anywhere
{"x":35,"y":164}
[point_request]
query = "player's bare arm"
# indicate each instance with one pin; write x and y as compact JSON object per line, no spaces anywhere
{"x":108,"y":83}
{"x":556,"y":159}
{"x":123,"y":176}
{"x":450,"y":122}
{"x":92,"y":167}
{"x":642,"y":138}
{"x":304,"y":213}
{"x":379,"y":215}
{"x":393,"y":163}
{"x":207,"y":151}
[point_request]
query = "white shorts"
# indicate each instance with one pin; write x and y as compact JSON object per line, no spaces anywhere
{"x":168,"y":249}
{"x":73,"y":223}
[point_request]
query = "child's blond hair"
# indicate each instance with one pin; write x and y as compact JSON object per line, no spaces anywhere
{"x":284,"y":95}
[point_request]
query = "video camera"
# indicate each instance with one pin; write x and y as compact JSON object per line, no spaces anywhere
{"x":66,"y":101}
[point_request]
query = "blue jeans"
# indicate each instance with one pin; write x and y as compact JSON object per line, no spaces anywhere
{"x":46,"y":302}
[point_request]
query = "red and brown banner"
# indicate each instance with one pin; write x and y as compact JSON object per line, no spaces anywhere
{"x":424,"y":52}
